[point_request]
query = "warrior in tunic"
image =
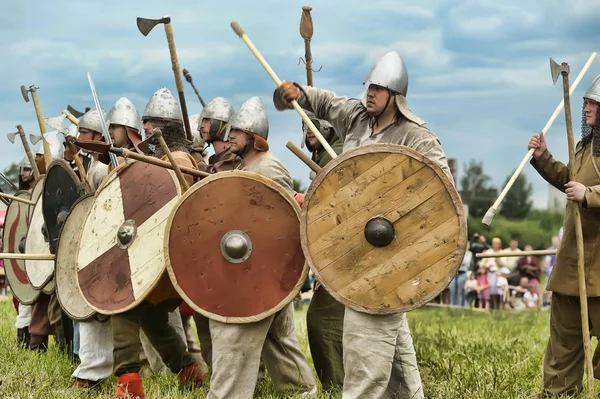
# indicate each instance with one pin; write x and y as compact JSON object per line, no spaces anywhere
{"x":564,"y":359}
{"x":237,"y":348}
{"x":381,"y":115}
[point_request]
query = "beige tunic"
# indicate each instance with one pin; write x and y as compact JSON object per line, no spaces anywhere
{"x":350,"y":119}
{"x":271,"y":167}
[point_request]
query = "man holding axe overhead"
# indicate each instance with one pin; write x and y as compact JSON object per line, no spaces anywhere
{"x":372,"y":368}
{"x":565,"y":353}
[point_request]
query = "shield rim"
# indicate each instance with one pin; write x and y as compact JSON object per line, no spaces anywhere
{"x":80,"y":188}
{"x":4,"y":239}
{"x":39,"y":202}
{"x":225,"y":175}
{"x":41,"y":181}
{"x":58,"y":296}
{"x":108,"y":179}
{"x":450,"y":189}
{"x":50,"y":287}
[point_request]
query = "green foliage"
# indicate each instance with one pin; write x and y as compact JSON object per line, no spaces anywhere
{"x":475,"y":189}
{"x":12,"y":173}
{"x":298,"y":186}
{"x":517,"y":203}
{"x":537,"y":230}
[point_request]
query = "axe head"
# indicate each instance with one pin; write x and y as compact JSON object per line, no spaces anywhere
{"x":11,"y":136}
{"x":74,"y":112}
{"x":145,"y":25}
{"x":34,"y":139}
{"x":557,"y":69}
{"x":25,"y":93}
{"x":55,"y":123}
{"x":186,"y":75}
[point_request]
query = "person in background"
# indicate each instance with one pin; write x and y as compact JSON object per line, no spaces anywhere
{"x":529,"y":266}
{"x":483,"y":287}
{"x":502,"y":286}
{"x":471,"y":289}
{"x":511,"y":262}
{"x":548,"y":262}
{"x":457,"y":292}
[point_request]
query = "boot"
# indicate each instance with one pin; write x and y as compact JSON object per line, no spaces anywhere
{"x":130,"y":386}
{"x":23,"y":337}
{"x":38,"y":343}
{"x":191,"y":375}
{"x":80,"y":383}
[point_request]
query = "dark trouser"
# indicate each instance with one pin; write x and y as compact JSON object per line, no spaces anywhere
{"x":204,"y":337}
{"x":495,"y":301}
{"x":325,"y":324}
{"x":40,"y":327}
{"x":153,"y":319}
{"x":564,"y":359}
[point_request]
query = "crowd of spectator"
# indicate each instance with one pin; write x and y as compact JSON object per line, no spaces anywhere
{"x":504,"y":282}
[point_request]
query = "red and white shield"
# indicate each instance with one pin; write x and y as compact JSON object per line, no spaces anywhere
{"x":120,"y":258}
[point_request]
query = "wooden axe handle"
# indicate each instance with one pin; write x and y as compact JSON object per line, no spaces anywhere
{"x":159,"y":162}
{"x":28,"y":152}
{"x":71,"y":117}
{"x":303,"y":157}
{"x":40,"y":118}
{"x":184,"y":184}
{"x":6,"y":255}
{"x":515,"y":254}
{"x":18,"y":199}
{"x":587,"y":344}
{"x":178,"y":80}
{"x":240,"y":32}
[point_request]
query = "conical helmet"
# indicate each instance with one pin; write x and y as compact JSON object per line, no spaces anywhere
{"x":251,"y":117}
{"x":25,"y":164}
{"x":217,"y":110}
{"x":389,"y":72}
{"x":124,"y":113}
{"x":163,"y":105}
{"x":323,"y":126}
{"x":91,"y":120}
{"x":195,"y":126}
{"x":593,"y":92}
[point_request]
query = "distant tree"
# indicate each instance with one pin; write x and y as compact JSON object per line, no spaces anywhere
{"x":517,"y":203}
{"x":298,"y":186}
{"x":12,"y":173}
{"x":476,"y":191}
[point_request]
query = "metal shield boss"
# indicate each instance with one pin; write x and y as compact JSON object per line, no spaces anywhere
{"x":233,"y":247}
{"x":383,"y":229}
{"x":120,"y":257}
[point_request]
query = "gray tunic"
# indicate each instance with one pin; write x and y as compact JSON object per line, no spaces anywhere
{"x":350,"y":119}
{"x":271,"y":167}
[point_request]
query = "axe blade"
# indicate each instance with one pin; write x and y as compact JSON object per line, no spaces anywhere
{"x":25,"y":93}
{"x":11,"y":137}
{"x":145,"y":25}
{"x":556,"y":69}
{"x":34,"y":139}
{"x":56,"y":123}
{"x":74,"y":112}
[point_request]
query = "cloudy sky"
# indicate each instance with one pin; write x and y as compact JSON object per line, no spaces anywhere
{"x":478,"y":70}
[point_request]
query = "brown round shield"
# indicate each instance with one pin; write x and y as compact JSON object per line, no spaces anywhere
{"x":15,"y":231}
{"x":383,"y":229}
{"x":67,"y":290}
{"x":120,"y":257}
{"x":39,"y":272}
{"x":233,"y":248}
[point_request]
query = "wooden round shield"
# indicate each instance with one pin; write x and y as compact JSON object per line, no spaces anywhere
{"x":49,"y":288}
{"x":233,"y":249}
{"x":383,"y":229}
{"x":39,"y":272}
{"x":61,"y":189}
{"x":120,"y":257}
{"x":36,"y":192}
{"x":15,"y":230}
{"x":67,"y":290}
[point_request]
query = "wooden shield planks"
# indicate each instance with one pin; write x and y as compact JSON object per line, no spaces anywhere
{"x":61,"y":189}
{"x":412,"y":193}
{"x":39,"y":272}
{"x":111,"y":279}
{"x":15,"y":230}
{"x":251,"y":289}
{"x":68,"y":293}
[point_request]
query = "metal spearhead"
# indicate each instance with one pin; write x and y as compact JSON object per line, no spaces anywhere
{"x":25,"y":93}
{"x":145,"y":25}
{"x":557,"y":69}
{"x":11,"y":137}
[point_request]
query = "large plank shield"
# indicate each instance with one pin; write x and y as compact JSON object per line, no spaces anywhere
{"x":383,"y":229}
{"x":120,"y":257}
{"x":16,"y":224}
{"x":61,"y":189}
{"x":39,"y":272}
{"x":233,"y":247}
{"x":67,"y":291}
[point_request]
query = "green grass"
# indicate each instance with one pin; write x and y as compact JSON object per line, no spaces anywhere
{"x":461,"y":354}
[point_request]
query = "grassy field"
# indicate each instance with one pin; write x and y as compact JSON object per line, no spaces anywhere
{"x":461,"y":354}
